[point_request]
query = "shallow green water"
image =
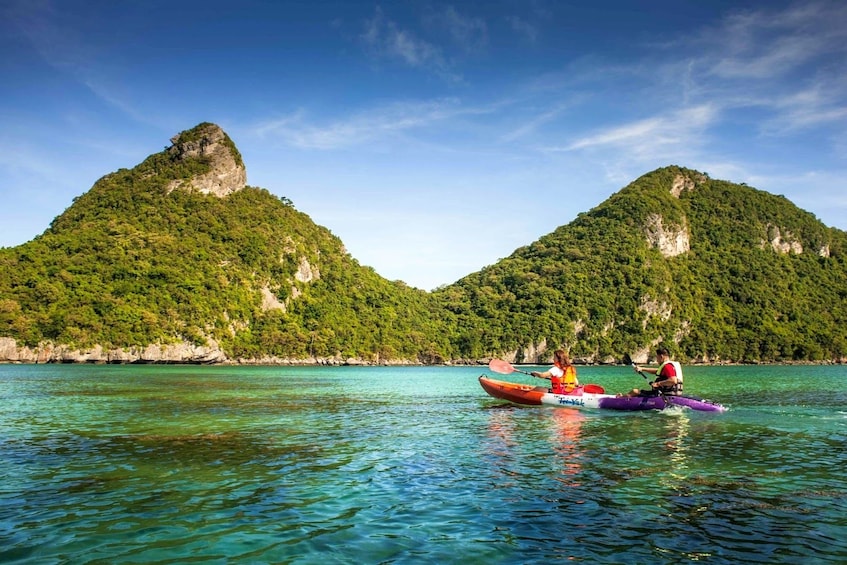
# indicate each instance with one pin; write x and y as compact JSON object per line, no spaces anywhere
{"x":173,"y":464}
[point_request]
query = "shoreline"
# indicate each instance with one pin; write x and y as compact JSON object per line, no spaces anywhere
{"x":184,"y":353}
{"x":392,"y":363}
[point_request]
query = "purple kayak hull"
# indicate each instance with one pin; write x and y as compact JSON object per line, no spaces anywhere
{"x":658,"y":403}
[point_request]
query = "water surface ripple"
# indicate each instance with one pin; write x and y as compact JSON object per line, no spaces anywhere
{"x":126,"y":464}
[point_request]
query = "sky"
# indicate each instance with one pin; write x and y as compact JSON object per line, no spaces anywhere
{"x":433,"y":138}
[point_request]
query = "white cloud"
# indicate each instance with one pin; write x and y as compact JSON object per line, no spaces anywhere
{"x":531,"y":126}
{"x":677,"y":127}
{"x":375,"y":124}
{"x":791,"y":64}
{"x":820,"y":102}
{"x":764,"y":44}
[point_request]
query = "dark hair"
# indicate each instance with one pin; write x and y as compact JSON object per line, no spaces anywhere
{"x":663,"y":351}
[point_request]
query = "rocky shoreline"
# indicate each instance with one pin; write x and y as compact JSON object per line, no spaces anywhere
{"x":183,"y":353}
{"x":189,"y":354}
{"x":169,"y":354}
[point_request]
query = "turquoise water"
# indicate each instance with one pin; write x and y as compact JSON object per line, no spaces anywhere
{"x":174,"y":464}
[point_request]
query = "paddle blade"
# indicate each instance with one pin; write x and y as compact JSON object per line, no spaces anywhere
{"x":627,"y":360}
{"x":500,"y":366}
{"x":594,"y":389}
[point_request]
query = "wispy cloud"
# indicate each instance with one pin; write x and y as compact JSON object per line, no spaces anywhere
{"x":767,"y":43}
{"x":386,"y":39}
{"x":374,"y":124}
{"x":769,"y":56}
{"x":755,"y":59}
{"x":807,"y":108}
{"x":469,"y":33}
{"x":25,"y":161}
{"x":532,"y":125}
{"x":52,"y":36}
{"x":648,"y":135}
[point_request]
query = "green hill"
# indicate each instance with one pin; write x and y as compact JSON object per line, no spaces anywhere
{"x":178,"y":260}
{"x":145,"y":258}
{"x":718,"y":271}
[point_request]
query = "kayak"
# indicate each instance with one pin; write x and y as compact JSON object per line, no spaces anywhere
{"x":585,"y":397}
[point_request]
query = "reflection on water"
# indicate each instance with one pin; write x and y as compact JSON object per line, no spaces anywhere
{"x":676,"y":442}
{"x":567,"y":426}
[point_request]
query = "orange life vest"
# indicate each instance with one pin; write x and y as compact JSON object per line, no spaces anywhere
{"x":569,"y":380}
{"x":566,"y":383}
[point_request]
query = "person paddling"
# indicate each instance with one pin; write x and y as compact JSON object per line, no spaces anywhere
{"x":668,"y":376}
{"x":562,"y":374}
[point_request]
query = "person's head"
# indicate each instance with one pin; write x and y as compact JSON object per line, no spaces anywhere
{"x":561,"y":358}
{"x":663,"y":353}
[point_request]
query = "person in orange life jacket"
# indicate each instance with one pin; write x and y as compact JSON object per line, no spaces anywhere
{"x":562,"y":374}
{"x":668,"y":378}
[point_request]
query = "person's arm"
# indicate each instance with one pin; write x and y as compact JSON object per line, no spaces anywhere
{"x":544,"y":375}
{"x":664,"y":383}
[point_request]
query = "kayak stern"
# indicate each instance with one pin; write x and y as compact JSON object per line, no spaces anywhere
{"x":513,"y":392}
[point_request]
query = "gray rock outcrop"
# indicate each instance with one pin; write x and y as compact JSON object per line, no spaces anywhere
{"x":187,"y":353}
{"x":208,"y":142}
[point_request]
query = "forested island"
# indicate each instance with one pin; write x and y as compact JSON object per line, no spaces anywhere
{"x":178,"y":260}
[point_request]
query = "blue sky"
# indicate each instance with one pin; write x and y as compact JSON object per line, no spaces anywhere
{"x":433,"y":138}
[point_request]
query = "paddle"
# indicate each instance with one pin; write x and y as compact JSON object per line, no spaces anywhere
{"x":628,"y":361}
{"x":506,"y":368}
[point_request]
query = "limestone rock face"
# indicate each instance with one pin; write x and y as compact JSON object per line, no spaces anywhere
{"x":670,"y":241}
{"x":687,"y":183}
{"x":784,"y":242}
{"x":306,"y":272}
{"x":209,"y":143}
{"x":189,"y":353}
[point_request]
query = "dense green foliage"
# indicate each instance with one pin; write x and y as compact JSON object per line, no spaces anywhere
{"x":129,"y":264}
{"x":598,"y":287}
{"x":132,"y":263}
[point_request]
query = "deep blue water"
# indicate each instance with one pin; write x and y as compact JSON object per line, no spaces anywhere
{"x":176,"y":464}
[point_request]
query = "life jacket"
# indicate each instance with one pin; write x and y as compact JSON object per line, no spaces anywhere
{"x":569,"y":379}
{"x":676,"y":389}
{"x":566,"y":383}
{"x":556,"y":381}
{"x":679,"y":379}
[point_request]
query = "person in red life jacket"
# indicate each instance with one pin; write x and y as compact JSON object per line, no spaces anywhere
{"x":562,"y":375}
{"x":668,"y":376}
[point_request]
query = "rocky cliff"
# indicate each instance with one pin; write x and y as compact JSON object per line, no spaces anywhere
{"x":211,"y":145}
